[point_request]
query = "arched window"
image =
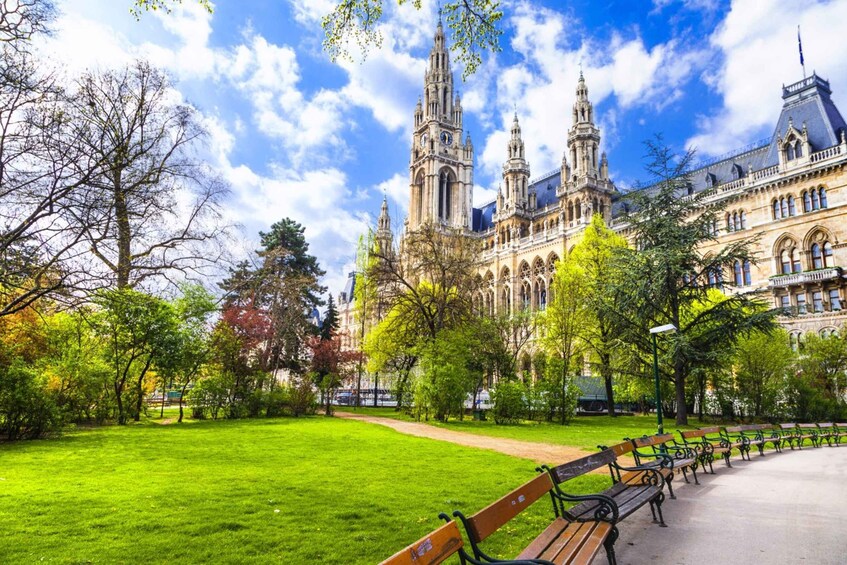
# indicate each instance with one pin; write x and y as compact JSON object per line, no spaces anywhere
{"x":739,"y":281}
{"x":736,"y":225}
{"x":525,"y":296}
{"x":792,"y":210}
{"x":742,"y":220}
{"x":817,"y":257}
{"x":776,"y":214}
{"x":748,"y":280}
{"x":785,"y":261}
{"x":816,"y":203}
{"x":714,"y":277}
{"x":827,"y":254}
{"x":798,"y":149}
{"x":807,"y":201}
{"x":783,"y":205}
{"x":789,"y":152}
{"x":795,"y":261}
{"x":822,"y":192}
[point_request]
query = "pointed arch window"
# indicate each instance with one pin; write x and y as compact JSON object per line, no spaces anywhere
{"x":776,"y":210}
{"x":817,"y":257}
{"x":798,"y":149}
{"x":807,"y":201}
{"x":792,"y":210}
{"x":816,"y":203}
{"x":748,"y":279}
{"x":742,"y":217}
{"x":783,"y":206}
{"x":827,"y":254}
{"x":739,"y":280}
{"x":822,"y":194}
{"x":785,"y":261}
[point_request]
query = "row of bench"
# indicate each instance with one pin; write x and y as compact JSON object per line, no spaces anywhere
{"x":583,"y":524}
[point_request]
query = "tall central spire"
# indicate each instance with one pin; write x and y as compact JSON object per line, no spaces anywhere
{"x":439,"y":79}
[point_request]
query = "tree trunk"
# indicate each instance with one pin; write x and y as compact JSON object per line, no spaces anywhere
{"x":606,"y":372}
{"x":124,"y":234}
{"x":140,"y":389}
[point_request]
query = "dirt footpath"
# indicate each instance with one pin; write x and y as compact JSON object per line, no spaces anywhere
{"x":537,"y":452}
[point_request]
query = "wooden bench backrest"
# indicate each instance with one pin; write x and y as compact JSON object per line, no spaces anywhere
{"x":622,"y":448}
{"x":711,"y":430}
{"x":734,"y":429}
{"x":492,"y":517}
{"x":691,"y":434}
{"x":647,"y":441}
{"x":825,"y":425}
{"x":841,"y":426}
{"x":808,"y":426}
{"x":788,"y":426}
{"x":748,"y":428}
{"x":567,"y":471}
{"x":432,"y":549}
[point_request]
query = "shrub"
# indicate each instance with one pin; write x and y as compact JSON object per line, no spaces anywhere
{"x":509,"y":402}
{"x":27,"y":411}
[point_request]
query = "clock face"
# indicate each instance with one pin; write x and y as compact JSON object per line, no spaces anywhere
{"x":446,"y":138}
{"x":424,"y":139}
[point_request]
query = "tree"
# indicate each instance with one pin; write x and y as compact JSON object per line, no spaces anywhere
{"x":139,"y":329}
{"x":330,"y":365}
{"x":391,"y":346}
{"x":562,"y":323}
{"x":823,"y":362}
{"x":763,"y":363}
{"x":669,"y":271}
{"x":329,"y":325}
{"x":284,"y":289}
{"x":154,"y":207}
{"x":43,"y":172}
{"x":594,"y":257}
{"x":447,"y":375}
{"x":194,"y":310}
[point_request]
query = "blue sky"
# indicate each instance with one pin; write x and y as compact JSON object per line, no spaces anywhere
{"x":297,"y":135}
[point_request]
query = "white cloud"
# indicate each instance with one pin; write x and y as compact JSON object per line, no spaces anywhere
{"x":758,"y":43}
{"x":397,"y":189}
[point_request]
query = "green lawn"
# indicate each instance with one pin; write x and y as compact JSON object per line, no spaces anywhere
{"x":586,"y":432}
{"x":284,"y":490}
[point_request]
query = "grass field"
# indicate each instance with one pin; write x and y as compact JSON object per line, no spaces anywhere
{"x":285,"y":490}
{"x":586,"y":432}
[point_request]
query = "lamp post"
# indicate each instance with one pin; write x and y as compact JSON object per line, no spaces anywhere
{"x":667,"y":328}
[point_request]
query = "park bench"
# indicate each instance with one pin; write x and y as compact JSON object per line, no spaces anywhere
{"x":629,"y":497}
{"x":436,"y":547}
{"x":667,"y":455}
{"x":840,"y":432}
{"x":562,"y":541}
{"x":758,"y":435}
{"x":708,"y":446}
{"x":826,"y":432}
{"x":798,"y":433}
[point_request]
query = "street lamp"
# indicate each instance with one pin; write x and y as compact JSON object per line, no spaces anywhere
{"x":667,"y":328}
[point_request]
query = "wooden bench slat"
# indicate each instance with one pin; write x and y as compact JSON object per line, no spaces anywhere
{"x":550,"y":534}
{"x":567,"y":471}
{"x":492,"y":517}
{"x":432,"y":549}
{"x":581,"y":547}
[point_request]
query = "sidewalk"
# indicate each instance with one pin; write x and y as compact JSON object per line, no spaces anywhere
{"x":782,"y":508}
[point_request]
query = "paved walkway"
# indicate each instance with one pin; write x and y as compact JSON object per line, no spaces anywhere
{"x":782,"y":508}
{"x":537,"y":452}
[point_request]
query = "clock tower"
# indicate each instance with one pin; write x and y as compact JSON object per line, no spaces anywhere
{"x":441,"y":164}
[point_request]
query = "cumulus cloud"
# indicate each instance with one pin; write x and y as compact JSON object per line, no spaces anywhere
{"x":758,"y":46}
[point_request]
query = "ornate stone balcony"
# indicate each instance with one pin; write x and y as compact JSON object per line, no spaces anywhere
{"x":793,"y":279}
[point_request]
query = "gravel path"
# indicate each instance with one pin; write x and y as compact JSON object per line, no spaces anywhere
{"x":537,"y":452}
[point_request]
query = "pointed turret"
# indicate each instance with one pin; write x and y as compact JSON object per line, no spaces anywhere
{"x":516,"y":170}
{"x":383,"y":228}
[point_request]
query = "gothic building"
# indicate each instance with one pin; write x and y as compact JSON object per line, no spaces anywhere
{"x":790,"y":191}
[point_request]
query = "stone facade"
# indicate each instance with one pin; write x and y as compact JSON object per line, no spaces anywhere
{"x":790,"y":191}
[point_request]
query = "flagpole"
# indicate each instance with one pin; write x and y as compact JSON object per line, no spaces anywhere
{"x":800,"y":47}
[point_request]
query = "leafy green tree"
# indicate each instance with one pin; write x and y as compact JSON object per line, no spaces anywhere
{"x":558,"y":390}
{"x":510,"y":401}
{"x":138,"y":329}
{"x":446,"y":376}
{"x":824,"y":361}
{"x":391,"y":347}
{"x":562,"y":324}
{"x":194,"y":311}
{"x":763,"y":363}
{"x":329,"y":325}
{"x":594,"y":256}
{"x":669,"y":270}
